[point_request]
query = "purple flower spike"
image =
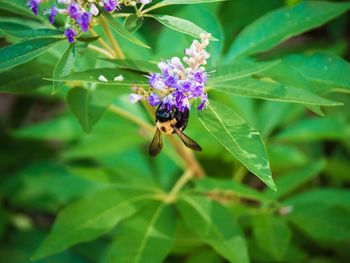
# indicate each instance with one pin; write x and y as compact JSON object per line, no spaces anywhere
{"x":53,"y":13}
{"x":84,"y":21}
{"x":154,"y":99}
{"x":70,"y":34}
{"x":33,"y":5}
{"x":110,"y":5}
{"x":74,"y":11}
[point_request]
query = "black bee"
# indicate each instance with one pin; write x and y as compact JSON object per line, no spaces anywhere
{"x":170,"y":122}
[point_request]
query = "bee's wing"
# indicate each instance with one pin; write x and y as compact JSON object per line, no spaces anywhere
{"x":156,"y":144}
{"x":187,"y":140}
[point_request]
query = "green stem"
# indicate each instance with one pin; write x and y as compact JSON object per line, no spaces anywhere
{"x":101,"y":51}
{"x":117,"y":50}
{"x":183,"y":180}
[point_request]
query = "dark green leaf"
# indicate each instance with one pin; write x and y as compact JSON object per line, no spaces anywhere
{"x":133,"y":22}
{"x":89,"y":218}
{"x":181,"y":25}
{"x":25,"y":78}
{"x":281,"y":24}
{"x":322,"y":70}
{"x":322,"y":214}
{"x":289,"y":182}
{"x":180,"y":2}
{"x":64,"y":65}
{"x":20,"y":53}
{"x":228,"y":187}
{"x":120,"y":29}
{"x":239,"y":139}
{"x":87,"y":39}
{"x":316,"y":129}
{"x":215,"y":226}
{"x":21,"y":31}
{"x":79,"y":101}
{"x":147,"y":238}
{"x":272,"y":235}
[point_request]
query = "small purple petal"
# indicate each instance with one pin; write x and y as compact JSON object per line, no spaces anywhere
{"x":70,"y":34}
{"x":110,"y":5}
{"x":74,"y":11}
{"x":84,"y":21}
{"x":204,"y":100}
{"x":53,"y":13}
{"x":154,"y":99}
{"x":34,"y":5}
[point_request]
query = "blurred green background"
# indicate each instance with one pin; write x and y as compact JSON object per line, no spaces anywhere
{"x":47,"y":160}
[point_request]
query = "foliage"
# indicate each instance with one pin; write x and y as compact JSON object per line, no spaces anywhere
{"x":77,"y":184}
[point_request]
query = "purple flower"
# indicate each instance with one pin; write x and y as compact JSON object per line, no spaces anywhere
{"x":170,"y":81}
{"x":84,"y":21}
{"x":110,"y":5}
{"x":197,"y":91}
{"x":74,"y":10}
{"x":33,"y":5}
{"x":204,"y":100}
{"x":168,"y":102}
{"x":70,"y":34}
{"x":154,"y":99}
{"x":53,"y":13}
{"x":185,"y":86}
{"x":200,"y":77}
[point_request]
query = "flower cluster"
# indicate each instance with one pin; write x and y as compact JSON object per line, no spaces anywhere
{"x":80,"y":13}
{"x":177,"y":85}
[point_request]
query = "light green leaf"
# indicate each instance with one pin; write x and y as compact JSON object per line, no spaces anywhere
{"x":228,"y":186}
{"x":316,"y":129}
{"x":243,"y":142}
{"x":272,"y":235}
{"x":20,"y":53}
{"x":252,"y":80}
{"x":147,"y":238}
{"x":64,"y":65}
{"x":79,"y":101}
{"x":281,"y":24}
{"x":135,"y":64}
{"x":133,"y":22}
{"x":181,"y":25}
{"x":120,"y":29}
{"x":322,"y":70}
{"x":322,"y":214}
{"x":106,"y":76}
{"x":289,"y":182}
{"x":204,"y":255}
{"x":179,"y":2}
{"x":215,"y":226}
{"x":89,"y":218}
{"x":25,"y":78}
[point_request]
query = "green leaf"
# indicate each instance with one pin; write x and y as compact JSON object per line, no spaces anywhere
{"x":289,"y":182}
{"x":64,"y":65}
{"x":17,"y":7}
{"x":272,"y":235}
{"x":243,"y":142}
{"x":87,"y":39}
{"x":19,"y":31}
{"x":181,"y":25}
{"x":89,"y":218}
{"x":144,"y":66}
{"x":120,"y":29}
{"x":25,"y":78}
{"x":20,"y":53}
{"x":228,"y":186}
{"x":215,"y":226}
{"x":133,"y":22}
{"x":180,"y":2}
{"x":204,"y":255}
{"x":79,"y":101}
{"x":281,"y":24}
{"x":322,"y":70}
{"x":147,"y":238}
{"x":322,"y":214}
{"x":316,"y":129}
{"x":106,"y":76}
{"x":253,"y":80}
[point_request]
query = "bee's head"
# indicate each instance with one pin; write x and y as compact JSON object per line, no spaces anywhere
{"x":163,"y":114}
